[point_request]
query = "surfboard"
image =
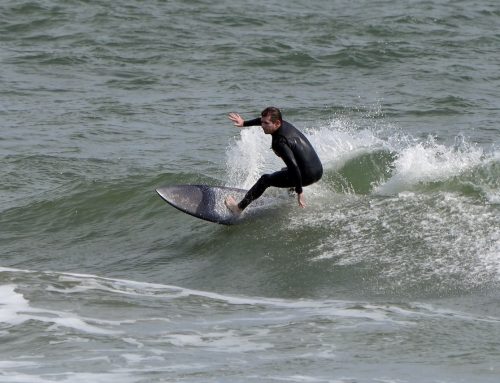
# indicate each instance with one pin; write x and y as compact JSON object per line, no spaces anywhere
{"x":207,"y":202}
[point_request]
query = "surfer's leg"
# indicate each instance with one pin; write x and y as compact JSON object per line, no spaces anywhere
{"x":279,"y":179}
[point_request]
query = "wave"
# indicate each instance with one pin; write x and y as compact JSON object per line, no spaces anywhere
{"x":74,"y":284}
{"x":391,"y":214}
{"x":428,"y":166}
{"x":90,"y":203}
{"x":404,"y":215}
{"x":358,"y":175}
{"x":127,"y":330}
{"x":356,"y":161}
{"x":361,"y":162}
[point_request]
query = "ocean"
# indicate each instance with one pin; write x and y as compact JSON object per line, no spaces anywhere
{"x":391,"y":274}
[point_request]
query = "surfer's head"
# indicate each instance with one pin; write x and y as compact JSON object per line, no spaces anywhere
{"x":273,"y":113}
{"x":271,"y":119}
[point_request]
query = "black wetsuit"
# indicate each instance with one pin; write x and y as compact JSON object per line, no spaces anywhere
{"x":303,"y":166}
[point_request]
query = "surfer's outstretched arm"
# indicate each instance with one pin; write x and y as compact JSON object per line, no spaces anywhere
{"x":240,"y":122}
{"x":237,"y":119}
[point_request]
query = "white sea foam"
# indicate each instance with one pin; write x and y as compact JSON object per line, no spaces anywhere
{"x":491,"y":255}
{"x":233,"y":330}
{"x":302,"y":379}
{"x":429,"y":162}
{"x":338,"y":141}
{"x":416,"y":161}
{"x":80,"y":377}
{"x":455,"y":236}
{"x":250,"y":156}
{"x":15,"y":309}
{"x":228,"y":341}
{"x":5,"y":364}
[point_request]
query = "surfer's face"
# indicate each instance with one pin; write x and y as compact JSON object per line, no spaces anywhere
{"x":268,"y":126}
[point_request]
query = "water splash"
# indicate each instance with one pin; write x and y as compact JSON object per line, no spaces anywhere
{"x":370,"y":160}
{"x":427,"y":161}
{"x":406,"y":213}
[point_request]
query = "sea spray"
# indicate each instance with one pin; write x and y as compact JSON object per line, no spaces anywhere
{"x":249,"y":155}
{"x":364,"y":160}
{"x":428,"y":161}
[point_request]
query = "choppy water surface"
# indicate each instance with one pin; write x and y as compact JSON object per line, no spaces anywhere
{"x":391,"y":273}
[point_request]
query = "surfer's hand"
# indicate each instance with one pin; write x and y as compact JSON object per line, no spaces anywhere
{"x":237,"y":119}
{"x":301,"y":200}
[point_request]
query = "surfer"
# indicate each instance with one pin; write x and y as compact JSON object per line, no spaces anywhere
{"x":303,"y":166}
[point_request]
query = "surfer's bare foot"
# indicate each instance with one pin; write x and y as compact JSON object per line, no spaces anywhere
{"x":232,"y":205}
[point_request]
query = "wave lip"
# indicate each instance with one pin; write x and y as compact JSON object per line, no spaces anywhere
{"x":459,"y":168}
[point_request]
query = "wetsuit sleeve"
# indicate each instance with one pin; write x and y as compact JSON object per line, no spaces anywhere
{"x":254,"y":122}
{"x":283,"y":150}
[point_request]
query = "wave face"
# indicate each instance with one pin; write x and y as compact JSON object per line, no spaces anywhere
{"x":402,"y":214}
{"x":392,"y":214}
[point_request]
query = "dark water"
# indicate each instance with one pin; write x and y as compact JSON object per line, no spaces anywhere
{"x":391,"y":273}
